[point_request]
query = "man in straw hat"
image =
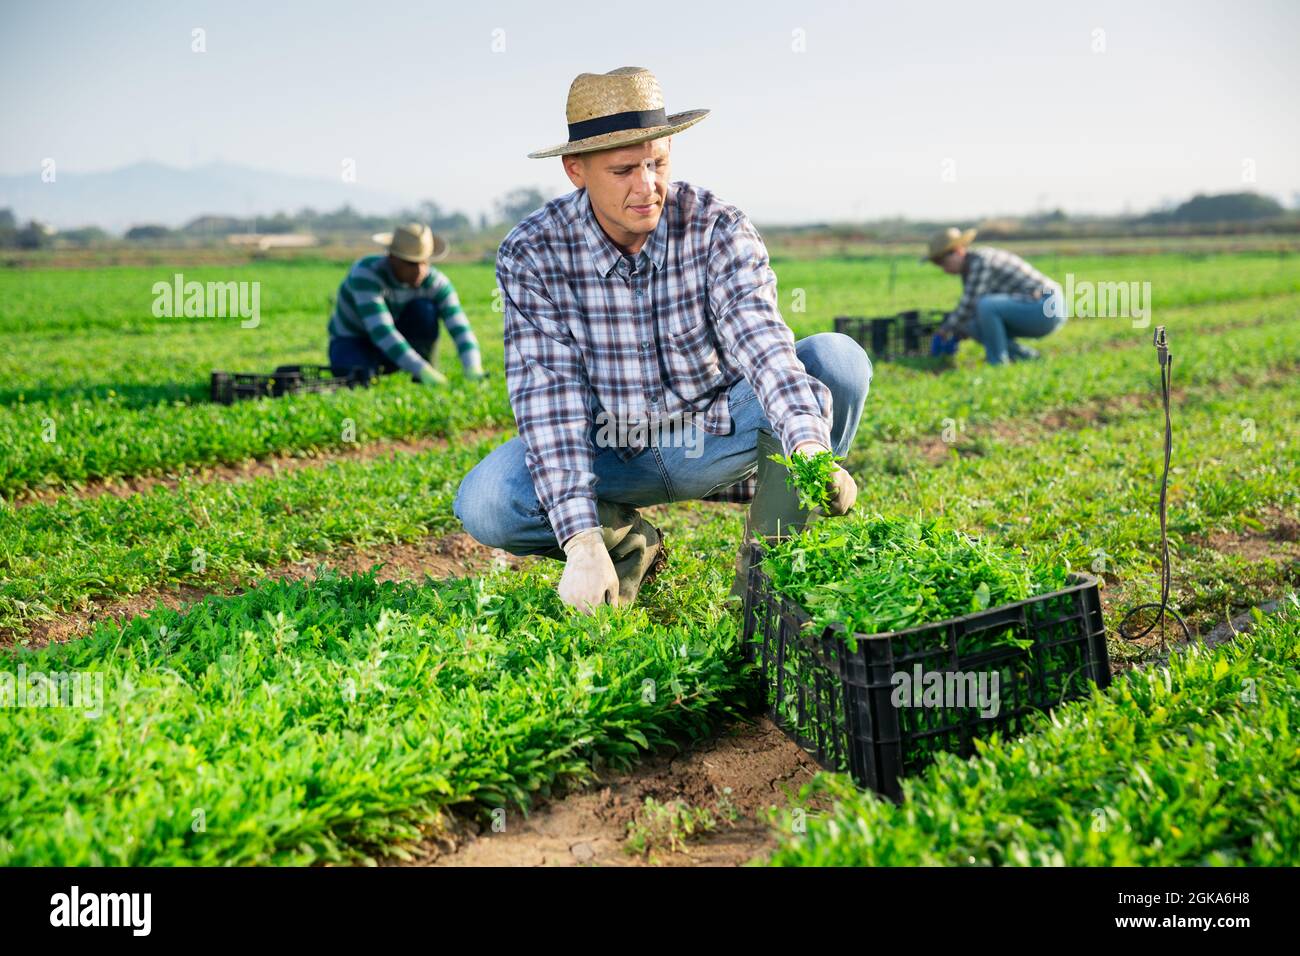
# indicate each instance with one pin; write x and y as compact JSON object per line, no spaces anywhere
{"x":363,"y":331}
{"x":1003,"y":297}
{"x":630,"y":303}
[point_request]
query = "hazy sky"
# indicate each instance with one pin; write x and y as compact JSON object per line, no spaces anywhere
{"x":1012,"y":100}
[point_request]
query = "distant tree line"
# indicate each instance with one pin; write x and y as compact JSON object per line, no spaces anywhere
{"x":509,"y":209}
{"x":1229,"y":208}
{"x":344,"y":221}
{"x":34,"y":235}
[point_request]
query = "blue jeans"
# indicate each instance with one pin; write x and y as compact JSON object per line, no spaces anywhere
{"x":498,"y":504}
{"x":999,"y":319}
{"x":417,"y":323}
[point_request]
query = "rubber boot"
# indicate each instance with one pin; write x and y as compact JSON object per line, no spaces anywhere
{"x":1019,"y":352}
{"x":635,"y":546}
{"x":616,"y":520}
{"x":774,"y":511}
{"x":637,"y":559}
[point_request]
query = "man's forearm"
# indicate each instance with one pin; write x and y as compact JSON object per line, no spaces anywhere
{"x":806,"y":430}
{"x":394,"y":345}
{"x":743,"y":296}
{"x":563,"y":474}
{"x":471,"y":359}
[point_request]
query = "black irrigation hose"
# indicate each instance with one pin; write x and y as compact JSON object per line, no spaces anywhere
{"x":1166,"y":375}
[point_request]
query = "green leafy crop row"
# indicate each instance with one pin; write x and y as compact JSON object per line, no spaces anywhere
{"x":324,"y":720}
{"x":129,"y":396}
{"x":119,"y":299}
{"x":906,"y":404}
{"x":215,"y":533}
{"x":98,"y":439}
{"x":1033,"y":496}
{"x":1191,"y":765}
{"x":1090,"y":493}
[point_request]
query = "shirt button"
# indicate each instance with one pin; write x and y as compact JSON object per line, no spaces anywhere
{"x":644,"y":346}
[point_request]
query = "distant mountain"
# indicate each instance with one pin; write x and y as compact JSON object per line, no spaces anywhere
{"x":155,"y":193}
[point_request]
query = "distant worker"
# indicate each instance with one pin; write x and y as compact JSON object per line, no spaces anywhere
{"x":1003,"y":297}
{"x":363,"y":331}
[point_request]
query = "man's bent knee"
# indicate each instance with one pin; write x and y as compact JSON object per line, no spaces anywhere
{"x":838,"y":361}
{"x":480,"y":511}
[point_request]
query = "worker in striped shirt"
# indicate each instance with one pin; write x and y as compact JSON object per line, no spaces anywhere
{"x":389,"y":309}
{"x":1003,"y":297}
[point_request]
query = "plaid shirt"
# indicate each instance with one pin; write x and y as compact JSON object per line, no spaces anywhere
{"x":590,"y":331}
{"x":989,"y":271}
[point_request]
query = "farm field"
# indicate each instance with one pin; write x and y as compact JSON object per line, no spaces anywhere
{"x":341,"y":714}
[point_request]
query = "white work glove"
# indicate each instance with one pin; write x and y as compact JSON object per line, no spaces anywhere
{"x":589,"y":579}
{"x":843,"y":490}
{"x":431,"y":376}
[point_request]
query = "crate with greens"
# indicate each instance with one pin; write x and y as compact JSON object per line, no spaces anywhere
{"x":881,"y":641}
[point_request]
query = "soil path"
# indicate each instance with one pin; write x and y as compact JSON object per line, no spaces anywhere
{"x":749,"y":766}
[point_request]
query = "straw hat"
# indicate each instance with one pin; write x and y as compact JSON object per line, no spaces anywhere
{"x":944,"y":242}
{"x":618,"y":108}
{"x":414,"y":242}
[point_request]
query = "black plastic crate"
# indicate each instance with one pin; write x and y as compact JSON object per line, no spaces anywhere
{"x":230,"y":387}
{"x":890,"y":337}
{"x":915,"y":329}
{"x":836,"y":701}
{"x":872,"y":333}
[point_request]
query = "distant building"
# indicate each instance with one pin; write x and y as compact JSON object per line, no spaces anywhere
{"x":286,"y":240}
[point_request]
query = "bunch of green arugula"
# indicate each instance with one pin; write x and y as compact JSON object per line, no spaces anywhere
{"x":875,"y":574}
{"x":810,"y":475}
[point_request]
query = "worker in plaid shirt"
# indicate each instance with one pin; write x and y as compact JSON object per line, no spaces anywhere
{"x":630,"y":304}
{"x":1003,"y":297}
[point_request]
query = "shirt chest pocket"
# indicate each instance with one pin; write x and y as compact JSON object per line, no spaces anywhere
{"x":690,"y":348}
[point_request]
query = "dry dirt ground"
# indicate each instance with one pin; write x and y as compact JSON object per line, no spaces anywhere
{"x":749,"y":765}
